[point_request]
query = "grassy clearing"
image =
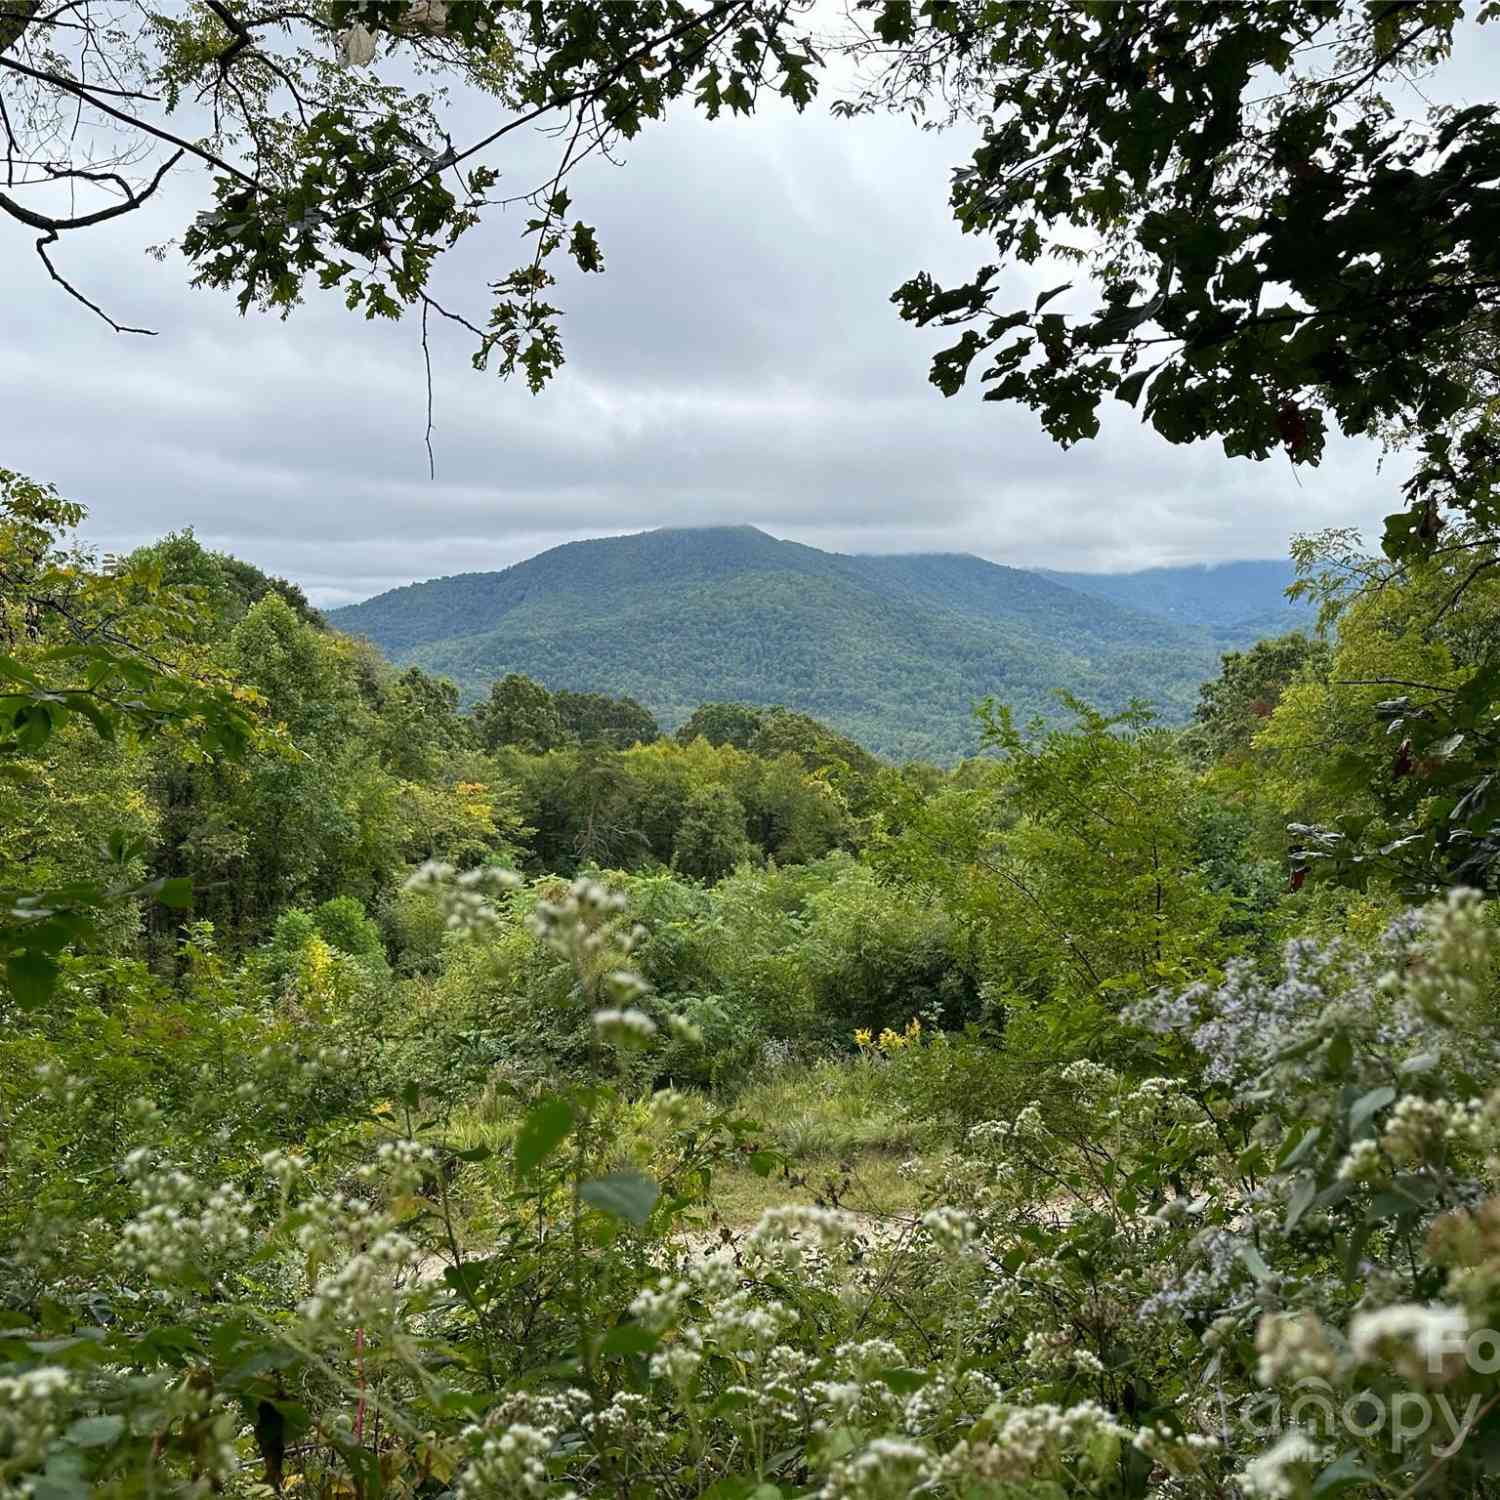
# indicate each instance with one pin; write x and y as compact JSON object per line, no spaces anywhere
{"x":832,"y":1119}
{"x":867,"y":1182}
{"x":830,"y":1110}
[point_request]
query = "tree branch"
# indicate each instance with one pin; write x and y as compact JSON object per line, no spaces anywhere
{"x":41,"y":249}
{"x":53,"y":226}
{"x":89,"y":95}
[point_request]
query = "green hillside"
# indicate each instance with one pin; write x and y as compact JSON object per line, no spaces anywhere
{"x":892,"y":650}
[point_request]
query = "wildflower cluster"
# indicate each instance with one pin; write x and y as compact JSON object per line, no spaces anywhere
{"x":466,"y":899}
{"x":183,"y":1230}
{"x":890,"y":1041}
{"x":32,"y":1405}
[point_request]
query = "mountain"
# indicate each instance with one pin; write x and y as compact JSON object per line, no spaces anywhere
{"x":893,"y":650}
{"x":1237,"y":602}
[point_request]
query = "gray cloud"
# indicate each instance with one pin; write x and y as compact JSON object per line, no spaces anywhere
{"x":739,"y":361}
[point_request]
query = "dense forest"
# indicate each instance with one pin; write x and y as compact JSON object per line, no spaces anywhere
{"x":496,"y":1091}
{"x":891,"y":650}
{"x":411,"y":1065}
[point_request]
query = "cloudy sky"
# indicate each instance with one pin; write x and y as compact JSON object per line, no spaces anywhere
{"x":738,"y":362}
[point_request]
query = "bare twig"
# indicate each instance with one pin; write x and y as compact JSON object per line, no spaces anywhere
{"x":41,"y":249}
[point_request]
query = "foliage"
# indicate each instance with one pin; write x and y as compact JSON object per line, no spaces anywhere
{"x":709,"y":627}
{"x":1233,"y":706}
{"x":1129,"y":1277}
{"x":1098,"y":889}
{"x":617,"y":722}
{"x":711,"y":839}
{"x":721,"y":724}
{"x":628,"y":809}
{"x":1238,"y":174}
{"x":85,"y":646}
{"x":519,"y":713}
{"x":326,"y":135}
{"x":1385,"y":766}
{"x":372,"y":1177}
{"x":224,"y":586}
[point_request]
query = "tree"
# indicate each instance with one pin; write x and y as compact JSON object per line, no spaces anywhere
{"x":331,"y":161}
{"x":616,"y":722}
{"x":422,"y":729}
{"x":1274,"y":248}
{"x":793,"y":816}
{"x":820,"y":750}
{"x":225,"y":586}
{"x":105,"y":648}
{"x":1095,"y":894}
{"x":519,"y":712}
{"x":1236,"y":703}
{"x":1385,"y":766}
{"x":722,"y":724}
{"x":711,"y":839}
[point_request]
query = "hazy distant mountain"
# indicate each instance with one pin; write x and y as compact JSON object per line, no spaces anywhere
{"x":1237,"y":602}
{"x":893,"y":650}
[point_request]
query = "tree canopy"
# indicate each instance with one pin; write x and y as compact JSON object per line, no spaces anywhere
{"x":326,"y":140}
{"x":1275,"y":240}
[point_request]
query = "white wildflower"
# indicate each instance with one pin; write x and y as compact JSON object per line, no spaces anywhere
{"x":1293,"y":1346}
{"x":784,"y":1234}
{"x":1415,"y":1129}
{"x":885,"y":1469}
{"x":364,"y":1291}
{"x":1363,"y":1163}
{"x":31,"y":1410}
{"x":1273,"y":1475}
{"x":952,"y":1232}
{"x":624,"y":1028}
{"x":1424,"y":1343}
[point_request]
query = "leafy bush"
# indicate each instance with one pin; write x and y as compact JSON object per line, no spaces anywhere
{"x":342,"y":922}
{"x":876,"y":956}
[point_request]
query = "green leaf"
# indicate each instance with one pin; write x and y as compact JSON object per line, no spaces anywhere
{"x":1346,"y":1470}
{"x":1354,"y":1250}
{"x":473,"y":1153}
{"x":1255,"y":1263}
{"x":544,"y":1129}
{"x":95,"y":1432}
{"x":1302,"y":1196}
{"x":627,"y":1195}
{"x":1367,"y":1105}
{"x":176,"y":892}
{"x":62,"y":1479}
{"x":1129,"y":389}
{"x":1340,"y":1051}
{"x":627,"y":1339}
{"x":1298,"y":1151}
{"x":762,"y":1163}
{"x":32,"y":977}
{"x":738,"y":1487}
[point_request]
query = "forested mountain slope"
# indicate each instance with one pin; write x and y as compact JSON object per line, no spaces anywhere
{"x":892,"y":650}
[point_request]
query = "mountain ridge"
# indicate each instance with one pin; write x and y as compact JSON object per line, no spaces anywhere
{"x":893,"y":648}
